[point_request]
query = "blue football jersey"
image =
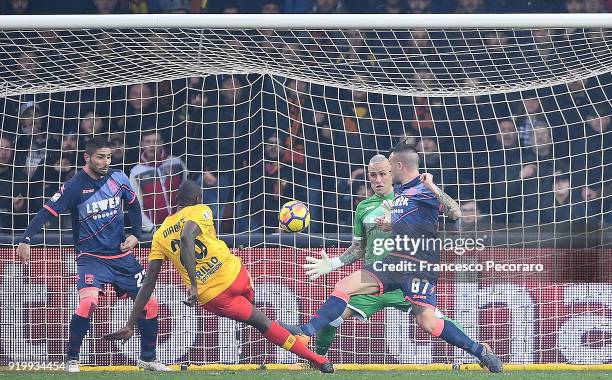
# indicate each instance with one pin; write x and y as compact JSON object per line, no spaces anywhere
{"x":96,"y":209}
{"x":415,"y":215}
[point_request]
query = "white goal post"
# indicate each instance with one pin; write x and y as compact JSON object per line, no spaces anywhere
{"x":512,"y":113}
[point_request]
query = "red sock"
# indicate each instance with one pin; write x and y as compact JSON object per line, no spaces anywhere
{"x":281,"y":337}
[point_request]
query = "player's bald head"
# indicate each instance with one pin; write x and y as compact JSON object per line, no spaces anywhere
{"x":189,"y":193}
{"x":378,"y":159}
{"x":379,"y":174}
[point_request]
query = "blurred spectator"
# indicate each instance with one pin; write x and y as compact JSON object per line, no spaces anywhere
{"x":391,"y":7}
{"x":156,"y":179}
{"x":507,"y":138}
{"x":361,"y":192}
{"x":140,"y":116}
{"x":33,"y":141}
{"x":355,"y":50}
{"x":230,"y":136}
{"x":359,"y":127}
{"x":328,"y":6}
{"x":90,"y":125}
{"x":230,"y":7}
{"x":347,"y":188}
{"x":70,"y":152}
{"x":470,"y":6}
{"x":118,"y":159}
{"x":580,"y":98}
{"x":297,"y":6}
{"x":439,"y":165}
{"x":423,"y":114}
{"x":528,"y":114}
{"x":505,"y":163}
{"x":588,"y":210}
{"x":70,"y":144}
{"x":419,"y":6}
{"x":28,"y":66}
{"x":537,"y":174}
{"x":574,"y":105}
{"x":496,"y":41}
{"x":271,"y":7}
{"x":106,"y":7}
{"x":594,"y":6}
{"x":174,"y":6}
{"x":471,"y":216}
{"x":215,"y":190}
{"x":277,"y":186}
{"x":297,"y":102}
{"x":574,"y":6}
{"x":143,"y":6}
{"x":54,"y":170}
{"x":541,"y":153}
{"x":419,"y":46}
{"x":13,"y":190}
{"x":544,"y":51}
{"x":19,"y":7}
{"x":591,"y":155}
{"x":556,"y":205}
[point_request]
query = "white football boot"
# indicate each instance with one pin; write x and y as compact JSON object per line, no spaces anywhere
{"x":72,"y":366}
{"x":154,"y":365}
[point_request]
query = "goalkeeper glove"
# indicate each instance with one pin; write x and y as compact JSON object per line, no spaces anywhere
{"x":316,"y":268}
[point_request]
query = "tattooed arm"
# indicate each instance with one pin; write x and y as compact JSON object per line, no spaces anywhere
{"x":353,"y":253}
{"x":449,"y":207}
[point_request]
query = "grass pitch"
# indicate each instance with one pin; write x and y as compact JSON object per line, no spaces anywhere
{"x":307,"y":375}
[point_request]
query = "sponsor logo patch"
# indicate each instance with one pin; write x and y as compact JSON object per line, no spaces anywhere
{"x":89,"y":279}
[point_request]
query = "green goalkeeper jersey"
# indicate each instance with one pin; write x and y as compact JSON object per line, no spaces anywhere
{"x":365,"y":226}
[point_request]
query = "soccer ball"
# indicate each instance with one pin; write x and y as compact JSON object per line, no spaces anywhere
{"x":294,"y":216}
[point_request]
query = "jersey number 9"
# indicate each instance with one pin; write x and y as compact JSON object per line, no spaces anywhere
{"x":200,"y":248}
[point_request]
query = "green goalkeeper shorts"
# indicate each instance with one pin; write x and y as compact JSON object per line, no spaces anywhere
{"x":364,"y":306}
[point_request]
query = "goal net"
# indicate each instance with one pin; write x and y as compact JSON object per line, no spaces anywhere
{"x":514,"y":122}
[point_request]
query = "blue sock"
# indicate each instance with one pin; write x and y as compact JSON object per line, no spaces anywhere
{"x":76,"y":332}
{"x":148,"y":338}
{"x":331,"y":310}
{"x":453,"y":335}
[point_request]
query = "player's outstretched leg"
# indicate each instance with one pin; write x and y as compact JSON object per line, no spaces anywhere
{"x":451,"y":334}
{"x":326,"y":335}
{"x":281,"y":337}
{"x":325,"y":338}
{"x":79,"y":325}
{"x":330,"y":312}
{"x":148,"y":325}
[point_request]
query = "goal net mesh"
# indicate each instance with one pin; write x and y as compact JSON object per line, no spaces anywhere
{"x":513,"y":123}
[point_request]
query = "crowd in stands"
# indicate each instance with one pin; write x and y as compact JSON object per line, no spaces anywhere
{"x":255,"y":141}
{"x":302,"y":6}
